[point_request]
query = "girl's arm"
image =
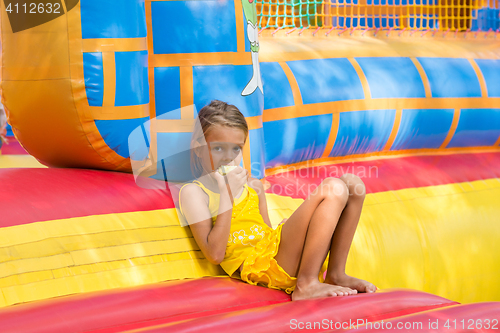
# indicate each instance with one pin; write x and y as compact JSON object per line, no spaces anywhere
{"x":259,"y":188}
{"x":212,"y":240}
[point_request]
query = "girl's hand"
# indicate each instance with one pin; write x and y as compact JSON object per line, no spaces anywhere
{"x":282,"y":222}
{"x":236,"y":179}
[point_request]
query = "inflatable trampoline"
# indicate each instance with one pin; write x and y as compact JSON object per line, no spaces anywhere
{"x":100,"y":94}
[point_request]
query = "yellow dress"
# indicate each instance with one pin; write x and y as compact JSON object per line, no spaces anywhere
{"x":251,"y":242}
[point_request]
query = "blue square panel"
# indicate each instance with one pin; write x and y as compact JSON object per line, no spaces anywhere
{"x":168,"y":92}
{"x":225,"y":83}
{"x":297,"y":139}
{"x":450,"y":77}
{"x":363,"y":132}
{"x":392,"y":77}
{"x":193,"y":26}
{"x":94,"y":78}
{"x":132,"y":85}
{"x":116,"y":133}
{"x":423,"y":128}
{"x":476,"y":127}
{"x":491,"y":73}
{"x":326,"y":80}
{"x":113,"y":19}
{"x":277,"y":90}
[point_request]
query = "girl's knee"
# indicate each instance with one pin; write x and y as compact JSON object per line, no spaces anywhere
{"x":355,"y":185}
{"x":334,"y":188}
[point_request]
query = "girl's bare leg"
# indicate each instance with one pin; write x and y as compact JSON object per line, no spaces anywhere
{"x":307,"y":236}
{"x":343,"y":235}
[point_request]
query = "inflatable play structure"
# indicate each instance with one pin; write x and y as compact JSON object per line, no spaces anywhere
{"x":404,"y":94}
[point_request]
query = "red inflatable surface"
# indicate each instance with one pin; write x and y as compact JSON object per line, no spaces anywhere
{"x":208,"y":305}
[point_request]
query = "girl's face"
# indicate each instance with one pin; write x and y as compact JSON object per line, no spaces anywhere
{"x":224,"y":147}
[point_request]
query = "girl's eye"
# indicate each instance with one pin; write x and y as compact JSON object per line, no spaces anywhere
{"x":217,"y":148}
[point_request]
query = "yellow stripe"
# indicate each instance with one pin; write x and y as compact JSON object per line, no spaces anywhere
{"x":174,"y":125}
{"x":423,"y":76}
{"x":254,"y":122}
{"x":395,"y":129}
{"x":102,"y":280}
{"x":34,"y":232}
{"x":333,"y":134}
{"x":19,"y":161}
{"x":71,"y":243}
{"x":240,"y":31}
{"x":497,"y":143}
{"x":297,"y":97}
{"x":480,"y":78}
{"x":453,"y":128}
{"x":114,"y":44}
{"x":202,"y":59}
{"x":187,"y":93}
{"x":377,"y":104}
{"x":292,"y":48}
{"x":362,"y":78}
{"x":109,"y":73}
{"x":153,"y":153}
{"x":120,"y":112}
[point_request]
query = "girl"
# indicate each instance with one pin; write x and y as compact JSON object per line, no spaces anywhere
{"x":229,"y":220}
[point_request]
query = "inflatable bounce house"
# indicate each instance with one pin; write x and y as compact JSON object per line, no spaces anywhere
{"x":405,"y":94}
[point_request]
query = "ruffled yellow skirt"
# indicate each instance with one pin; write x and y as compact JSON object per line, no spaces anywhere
{"x":260,"y":267}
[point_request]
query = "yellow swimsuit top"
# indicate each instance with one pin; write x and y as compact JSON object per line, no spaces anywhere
{"x":247,"y":225}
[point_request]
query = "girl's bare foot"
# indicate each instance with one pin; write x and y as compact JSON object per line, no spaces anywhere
{"x":351,"y":282}
{"x":313,"y":289}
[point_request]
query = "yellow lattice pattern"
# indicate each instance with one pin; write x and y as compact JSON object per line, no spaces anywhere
{"x":366,"y":14}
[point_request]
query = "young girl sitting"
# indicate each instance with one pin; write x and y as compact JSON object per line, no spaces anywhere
{"x":229,"y":220}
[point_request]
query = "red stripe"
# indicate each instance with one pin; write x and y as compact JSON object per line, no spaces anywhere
{"x":117,"y":309}
{"x":13,"y":147}
{"x":393,"y":174}
{"x":284,"y":317}
{"x":212,"y":304}
{"x":32,"y":195}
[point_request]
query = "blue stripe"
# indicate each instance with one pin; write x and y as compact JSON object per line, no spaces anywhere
{"x":116,"y":133}
{"x":9,"y":130}
{"x":277,"y":90}
{"x":257,"y":155}
{"x":295,"y":140}
{"x":450,"y":77}
{"x":113,"y":19}
{"x":476,"y":127}
{"x":392,"y":77}
{"x":225,"y":83}
{"x":423,"y":128}
{"x":94,"y":77}
{"x":326,"y":80}
{"x":168,"y":92}
{"x":132,"y":85}
{"x":491,"y":73}
{"x":193,"y":26}
{"x":363,"y":132}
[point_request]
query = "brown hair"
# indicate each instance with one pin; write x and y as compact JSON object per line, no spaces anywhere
{"x":217,"y":113}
